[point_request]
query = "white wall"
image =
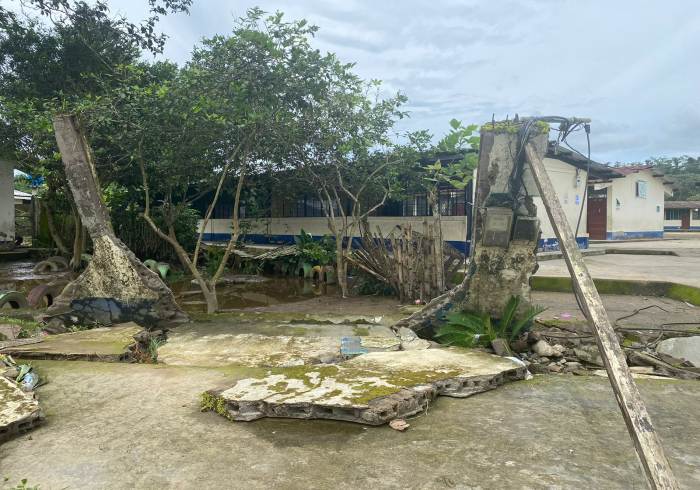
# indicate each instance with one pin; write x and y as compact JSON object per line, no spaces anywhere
{"x":7,"y":202}
{"x":629,"y":215}
{"x":454,"y":228}
{"x":570,"y":190}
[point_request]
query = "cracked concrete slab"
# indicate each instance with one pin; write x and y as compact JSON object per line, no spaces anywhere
{"x":192,"y":348}
{"x":99,"y":344}
{"x":19,"y":411}
{"x":197,"y":347}
{"x":372,"y":388}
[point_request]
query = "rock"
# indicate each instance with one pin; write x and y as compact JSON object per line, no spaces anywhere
{"x":501,"y":347}
{"x":9,"y":331}
{"x":589,"y":354}
{"x":416,"y":344}
{"x":99,"y":344}
{"x":542,"y":348}
{"x":399,"y":424}
{"x":533,"y":337}
{"x":554,"y":368}
{"x":558,"y":350}
{"x":572,"y":366}
{"x":687,"y":348}
{"x":406,"y":334}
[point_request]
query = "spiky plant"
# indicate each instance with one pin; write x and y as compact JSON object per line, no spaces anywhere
{"x":464,"y":329}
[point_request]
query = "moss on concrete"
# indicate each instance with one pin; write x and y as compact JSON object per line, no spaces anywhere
{"x":680,"y":292}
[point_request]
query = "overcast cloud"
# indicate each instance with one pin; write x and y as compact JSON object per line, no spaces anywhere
{"x":631,"y":66}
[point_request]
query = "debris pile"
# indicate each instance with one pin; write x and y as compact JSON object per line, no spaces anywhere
{"x":19,"y":409}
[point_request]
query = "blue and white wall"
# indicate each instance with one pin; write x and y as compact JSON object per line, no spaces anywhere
{"x":676,"y":224}
{"x":283,"y":230}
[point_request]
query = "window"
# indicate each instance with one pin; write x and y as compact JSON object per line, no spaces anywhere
{"x":416,"y":206}
{"x":293,"y":208}
{"x":305,"y":207}
{"x":696,"y":214}
{"x":641,"y":189}
{"x":672,"y":214}
{"x":452,"y":203}
{"x":314,"y":208}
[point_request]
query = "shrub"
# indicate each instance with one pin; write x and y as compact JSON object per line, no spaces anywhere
{"x":466,"y":329}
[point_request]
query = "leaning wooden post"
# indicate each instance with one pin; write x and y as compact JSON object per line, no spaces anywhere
{"x":646,"y":441}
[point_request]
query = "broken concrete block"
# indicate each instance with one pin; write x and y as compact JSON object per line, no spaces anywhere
{"x":687,"y":348}
{"x":370,"y":389}
{"x":109,"y":344}
{"x":19,"y":411}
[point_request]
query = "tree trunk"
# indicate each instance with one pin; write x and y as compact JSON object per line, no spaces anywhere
{"x":342,"y":266}
{"x":114,"y":273}
{"x":55,"y":236}
{"x":77,"y":241}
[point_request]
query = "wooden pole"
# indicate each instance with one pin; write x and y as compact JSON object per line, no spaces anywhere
{"x":646,"y":441}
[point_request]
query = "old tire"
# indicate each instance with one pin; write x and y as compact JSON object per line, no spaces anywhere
{"x":163,"y":269}
{"x":12,"y":299}
{"x":151,"y":265}
{"x":43,"y":295}
{"x":45,"y":266}
{"x":61,"y":262}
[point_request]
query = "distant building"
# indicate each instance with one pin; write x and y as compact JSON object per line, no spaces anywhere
{"x":628,"y":205}
{"x":682,"y":216}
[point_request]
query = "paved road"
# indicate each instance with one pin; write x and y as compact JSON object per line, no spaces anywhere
{"x":684,"y":268}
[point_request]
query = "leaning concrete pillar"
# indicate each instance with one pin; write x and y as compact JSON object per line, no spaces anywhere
{"x":506,"y":229}
{"x":114,"y":273}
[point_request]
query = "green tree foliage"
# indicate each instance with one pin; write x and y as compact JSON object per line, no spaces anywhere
{"x":684,"y":171}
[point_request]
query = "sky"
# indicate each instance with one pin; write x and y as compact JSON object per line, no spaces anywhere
{"x":633,"y":67}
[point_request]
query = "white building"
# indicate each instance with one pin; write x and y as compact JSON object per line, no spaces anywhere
{"x":682,"y":216}
{"x":621,"y":203}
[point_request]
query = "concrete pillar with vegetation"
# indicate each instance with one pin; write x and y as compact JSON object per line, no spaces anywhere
{"x":114,"y":271}
{"x":506,"y":229}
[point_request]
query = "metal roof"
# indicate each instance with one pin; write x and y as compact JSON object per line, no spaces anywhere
{"x":682,"y":205}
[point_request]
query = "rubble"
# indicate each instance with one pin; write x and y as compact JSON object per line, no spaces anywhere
{"x":19,"y":411}
{"x":687,"y":348}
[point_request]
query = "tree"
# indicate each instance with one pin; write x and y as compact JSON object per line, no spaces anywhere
{"x":345,"y":153}
{"x":684,"y":171}
{"x":229,"y":113}
{"x":461,"y":140}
